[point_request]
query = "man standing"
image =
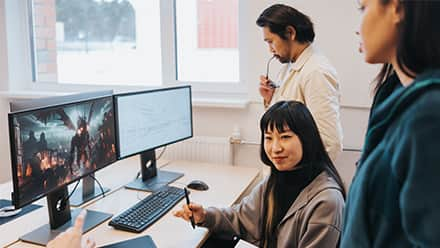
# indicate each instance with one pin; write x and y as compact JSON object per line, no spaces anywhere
{"x":305,"y":76}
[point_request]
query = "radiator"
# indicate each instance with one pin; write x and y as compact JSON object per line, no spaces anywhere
{"x":216,"y":150}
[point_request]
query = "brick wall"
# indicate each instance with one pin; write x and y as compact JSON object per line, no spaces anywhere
{"x":44,"y":18}
{"x":217,"y":23}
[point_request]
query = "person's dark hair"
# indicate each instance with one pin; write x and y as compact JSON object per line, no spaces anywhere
{"x":279,"y":16}
{"x":418,"y":39}
{"x":299,"y":120}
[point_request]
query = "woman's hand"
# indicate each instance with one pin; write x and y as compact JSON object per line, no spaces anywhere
{"x":72,"y":238}
{"x":193,"y":209}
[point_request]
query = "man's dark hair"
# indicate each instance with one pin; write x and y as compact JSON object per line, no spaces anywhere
{"x":279,"y":16}
{"x":418,"y":39}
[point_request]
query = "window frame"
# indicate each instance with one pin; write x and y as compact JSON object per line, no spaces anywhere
{"x":20,"y":13}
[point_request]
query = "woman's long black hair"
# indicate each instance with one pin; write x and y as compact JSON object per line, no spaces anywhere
{"x":418,"y":39}
{"x":297,"y":117}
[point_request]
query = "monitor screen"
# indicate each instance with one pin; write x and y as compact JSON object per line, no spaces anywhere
{"x":150,"y":119}
{"x":54,"y":146}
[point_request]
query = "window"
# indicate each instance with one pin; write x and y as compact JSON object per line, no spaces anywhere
{"x":97,"y":42}
{"x":122,"y":42}
{"x":207,"y":40}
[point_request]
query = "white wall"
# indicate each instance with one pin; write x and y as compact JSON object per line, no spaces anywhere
{"x":3,"y":49}
{"x":335,"y":24}
{"x":221,"y":122}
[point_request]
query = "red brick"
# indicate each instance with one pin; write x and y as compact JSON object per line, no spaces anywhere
{"x":51,"y":32}
{"x":52,"y":56}
{"x":42,"y":32}
{"x":50,"y":19}
{"x":52,"y":68}
{"x":45,"y":32}
{"x":49,"y":10}
{"x":39,"y":10}
{"x":39,"y":2}
{"x":40,"y":44}
{"x":42,"y":68}
{"x":51,"y":44}
{"x":39,"y":20}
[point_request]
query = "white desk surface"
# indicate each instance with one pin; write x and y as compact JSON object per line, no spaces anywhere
{"x":227,"y":184}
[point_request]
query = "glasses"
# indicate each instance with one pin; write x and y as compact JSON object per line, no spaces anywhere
{"x":271,"y":84}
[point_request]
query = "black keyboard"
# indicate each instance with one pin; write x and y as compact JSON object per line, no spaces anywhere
{"x":138,"y":217}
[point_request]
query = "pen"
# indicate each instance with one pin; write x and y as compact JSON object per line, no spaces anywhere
{"x":267,"y":66}
{"x":187,"y":202}
{"x":271,"y":84}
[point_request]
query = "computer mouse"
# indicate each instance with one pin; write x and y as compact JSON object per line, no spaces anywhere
{"x":198,"y":185}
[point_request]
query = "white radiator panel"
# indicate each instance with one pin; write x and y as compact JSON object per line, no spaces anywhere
{"x":216,"y":150}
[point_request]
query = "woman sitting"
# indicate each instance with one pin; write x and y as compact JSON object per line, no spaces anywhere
{"x":301,"y":202}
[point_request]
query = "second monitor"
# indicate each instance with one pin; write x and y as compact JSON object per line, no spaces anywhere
{"x":148,"y":120}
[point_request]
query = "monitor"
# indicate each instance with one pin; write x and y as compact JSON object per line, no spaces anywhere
{"x":89,"y":189}
{"x":28,"y":104}
{"x":54,"y":146}
{"x":148,"y":120}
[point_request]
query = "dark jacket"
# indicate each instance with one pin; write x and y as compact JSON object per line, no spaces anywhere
{"x":394,"y":199}
{"x":313,"y":220}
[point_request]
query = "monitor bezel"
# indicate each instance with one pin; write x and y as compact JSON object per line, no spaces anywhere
{"x":36,"y":103}
{"x":16,"y":193}
{"x":115,"y":102}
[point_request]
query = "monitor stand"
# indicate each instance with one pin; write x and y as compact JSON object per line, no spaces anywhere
{"x":89,"y":192}
{"x":152,"y":179}
{"x":61,"y":218}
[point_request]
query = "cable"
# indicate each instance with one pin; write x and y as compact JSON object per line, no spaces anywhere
{"x":162,"y":152}
{"x":99,"y":184}
{"x":64,"y":201}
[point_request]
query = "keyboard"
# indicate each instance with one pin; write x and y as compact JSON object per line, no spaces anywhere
{"x":144,"y":213}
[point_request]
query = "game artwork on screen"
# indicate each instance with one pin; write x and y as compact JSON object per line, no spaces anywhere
{"x":57,"y":145}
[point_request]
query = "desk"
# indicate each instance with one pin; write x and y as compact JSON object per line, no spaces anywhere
{"x":227,"y":185}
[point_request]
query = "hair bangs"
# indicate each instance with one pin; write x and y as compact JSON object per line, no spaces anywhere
{"x":275,"y":119}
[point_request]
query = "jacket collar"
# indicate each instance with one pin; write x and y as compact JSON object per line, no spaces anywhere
{"x":302,"y":58}
{"x":392,"y":103}
{"x":322,"y":182}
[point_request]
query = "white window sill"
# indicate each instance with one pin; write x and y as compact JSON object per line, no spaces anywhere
{"x":198,"y":102}
{"x":29,"y":94}
{"x":220,"y":103}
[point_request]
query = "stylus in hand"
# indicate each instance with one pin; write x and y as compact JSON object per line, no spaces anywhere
{"x":193,"y":224}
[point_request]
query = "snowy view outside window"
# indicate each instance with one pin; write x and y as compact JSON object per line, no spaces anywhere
{"x":97,"y":41}
{"x":118,"y":42}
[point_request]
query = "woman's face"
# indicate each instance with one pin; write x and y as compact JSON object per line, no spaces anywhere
{"x":284,"y":148}
{"x":378,"y":30}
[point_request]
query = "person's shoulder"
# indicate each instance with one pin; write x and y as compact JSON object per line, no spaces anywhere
{"x":317,"y":65}
{"x":327,"y":205}
{"x":260,"y":186}
{"x":331,"y":197}
{"x":425,"y":106}
{"x":430,"y":98}
{"x":327,"y":191}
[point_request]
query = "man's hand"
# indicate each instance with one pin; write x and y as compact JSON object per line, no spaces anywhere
{"x":266,"y":91}
{"x":72,"y":238}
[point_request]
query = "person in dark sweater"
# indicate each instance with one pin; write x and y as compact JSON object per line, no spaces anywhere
{"x":393,"y":199}
{"x":301,"y":202}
